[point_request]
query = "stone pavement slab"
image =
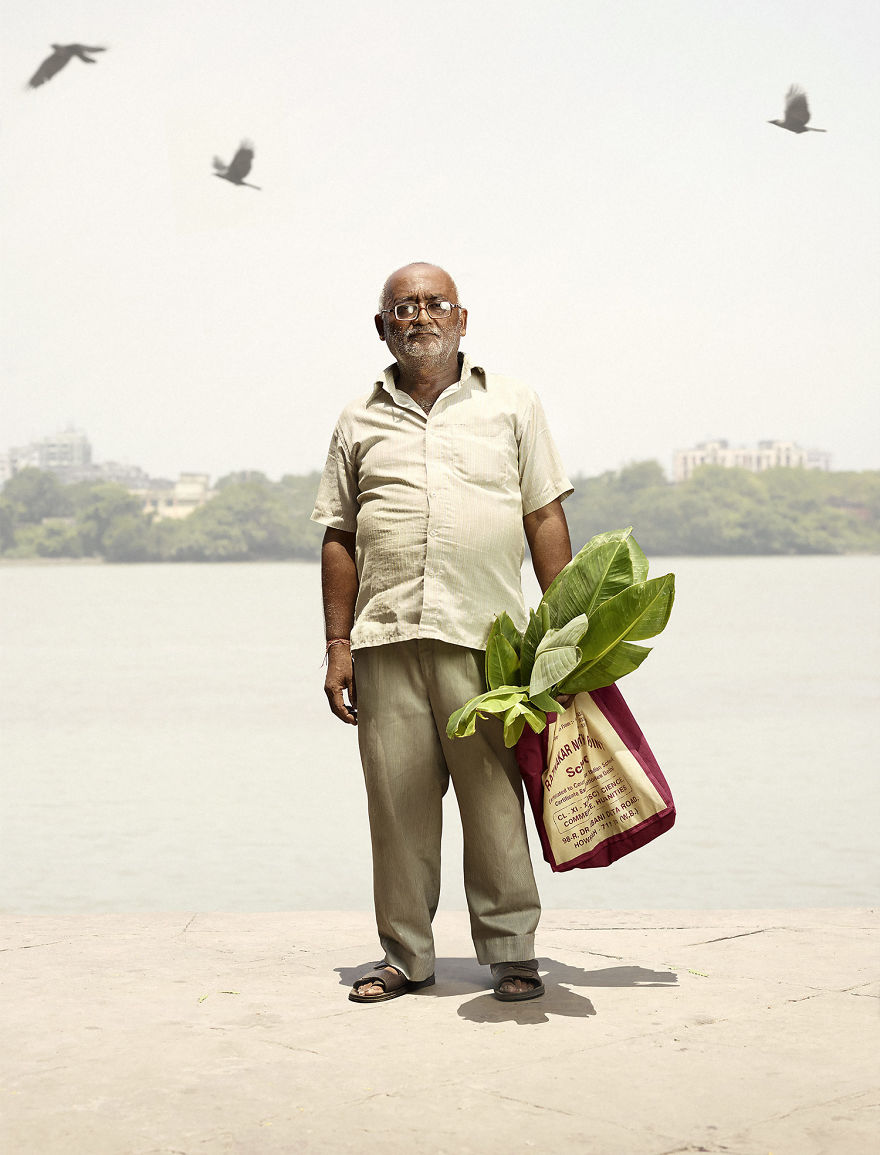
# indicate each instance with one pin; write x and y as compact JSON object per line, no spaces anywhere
{"x":662,"y":1032}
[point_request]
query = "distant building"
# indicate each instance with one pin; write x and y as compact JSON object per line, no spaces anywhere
{"x":177,"y":500}
{"x":767,"y":455}
{"x":131,"y":476}
{"x":66,"y":454}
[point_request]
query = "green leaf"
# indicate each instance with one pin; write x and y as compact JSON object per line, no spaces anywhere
{"x":536,"y":719}
{"x":494,"y":630}
{"x":557,"y":655}
{"x":545,"y":702}
{"x":463,"y":721}
{"x":603,"y":568}
{"x":454,"y":718}
{"x":513,"y":728}
{"x":579,"y":637}
{"x":639,"y":612}
{"x":639,"y":561}
{"x":502,"y":662}
{"x":506,"y":695}
{"x":552,"y":666}
{"x":465,"y":731}
{"x":568,"y":635}
{"x":592,"y":675}
{"x":539,"y":624}
{"x":509,"y":630}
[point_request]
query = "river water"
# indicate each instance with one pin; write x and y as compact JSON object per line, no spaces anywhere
{"x":166,"y":744}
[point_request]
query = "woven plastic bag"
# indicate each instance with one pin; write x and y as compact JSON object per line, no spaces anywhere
{"x":594,"y":786}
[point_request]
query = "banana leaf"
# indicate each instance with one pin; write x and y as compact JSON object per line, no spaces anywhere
{"x":463,"y":721}
{"x":545,"y":702}
{"x":579,"y":638}
{"x":513,"y":728}
{"x":536,"y":719}
{"x":509,"y":630}
{"x":517,"y":717}
{"x":639,"y":561}
{"x":606,"y":565}
{"x":557,"y":655}
{"x":539,"y":624}
{"x":591,"y":674}
{"x":639,"y":612}
{"x":502,"y":660}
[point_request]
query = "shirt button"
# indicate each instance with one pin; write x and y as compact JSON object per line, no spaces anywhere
{"x":433,"y":533}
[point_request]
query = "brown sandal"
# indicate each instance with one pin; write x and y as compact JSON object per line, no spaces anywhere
{"x":393,"y":983}
{"x":528,"y":971}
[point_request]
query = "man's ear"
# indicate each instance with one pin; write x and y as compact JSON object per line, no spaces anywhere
{"x":463,"y":321}
{"x":380,"y":326}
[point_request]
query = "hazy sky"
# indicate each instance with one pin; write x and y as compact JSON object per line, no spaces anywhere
{"x":628,"y":232}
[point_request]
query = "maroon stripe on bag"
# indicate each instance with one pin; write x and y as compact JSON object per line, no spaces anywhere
{"x":531,"y":755}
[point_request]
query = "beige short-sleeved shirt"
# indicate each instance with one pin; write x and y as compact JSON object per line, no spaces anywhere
{"x":436,"y":501}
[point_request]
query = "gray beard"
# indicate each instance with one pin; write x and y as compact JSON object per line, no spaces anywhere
{"x":405,"y":348}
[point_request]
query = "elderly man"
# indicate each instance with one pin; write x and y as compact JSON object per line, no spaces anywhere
{"x":430,"y":481}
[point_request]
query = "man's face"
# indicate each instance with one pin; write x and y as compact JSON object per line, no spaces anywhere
{"x":423,"y":342}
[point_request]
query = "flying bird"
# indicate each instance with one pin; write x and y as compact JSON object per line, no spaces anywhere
{"x":60,"y":56}
{"x":240,"y":166}
{"x":797,"y":114}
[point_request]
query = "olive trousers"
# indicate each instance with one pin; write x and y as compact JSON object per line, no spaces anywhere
{"x":405,"y":694}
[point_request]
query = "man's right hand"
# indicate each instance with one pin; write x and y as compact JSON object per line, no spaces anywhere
{"x":339,"y":684}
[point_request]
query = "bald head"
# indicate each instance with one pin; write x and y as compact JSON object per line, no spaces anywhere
{"x":423,"y":345}
{"x":406,"y":282}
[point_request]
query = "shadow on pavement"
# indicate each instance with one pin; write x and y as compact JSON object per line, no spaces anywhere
{"x":457,"y":977}
{"x":559,"y":999}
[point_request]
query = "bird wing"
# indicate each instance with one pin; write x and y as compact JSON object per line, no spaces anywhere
{"x":241,"y":162}
{"x":80,"y":50}
{"x":48,"y":68}
{"x":87,"y":48}
{"x":796,"y":110}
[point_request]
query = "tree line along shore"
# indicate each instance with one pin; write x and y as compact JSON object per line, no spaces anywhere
{"x":717,"y":511}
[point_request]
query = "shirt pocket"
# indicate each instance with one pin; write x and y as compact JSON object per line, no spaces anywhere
{"x":484,"y":452}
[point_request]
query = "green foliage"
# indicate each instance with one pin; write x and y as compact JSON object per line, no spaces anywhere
{"x":128,"y":539}
{"x":557,"y":654}
{"x":639,"y":612}
{"x":722,"y":511}
{"x":608,"y":578}
{"x":99,"y":508}
{"x":31,"y":495}
{"x":250,"y":518}
{"x":502,"y":656}
{"x":718,"y":511}
{"x":52,"y":538}
{"x":7,"y":527}
{"x":607,"y":564}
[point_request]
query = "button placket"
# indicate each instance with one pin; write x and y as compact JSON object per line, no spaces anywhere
{"x":430,"y":608}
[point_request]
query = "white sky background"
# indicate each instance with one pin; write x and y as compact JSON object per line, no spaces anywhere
{"x":629,"y":234}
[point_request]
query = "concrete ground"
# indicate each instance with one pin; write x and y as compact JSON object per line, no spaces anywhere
{"x":744,"y":1032}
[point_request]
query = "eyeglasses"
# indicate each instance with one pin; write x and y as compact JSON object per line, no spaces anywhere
{"x":409,"y":310}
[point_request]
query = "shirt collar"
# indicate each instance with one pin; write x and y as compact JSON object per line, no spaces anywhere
{"x":468,"y":369}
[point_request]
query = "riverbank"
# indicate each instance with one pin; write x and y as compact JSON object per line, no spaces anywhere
{"x":716,"y":512}
{"x":744,"y":1032}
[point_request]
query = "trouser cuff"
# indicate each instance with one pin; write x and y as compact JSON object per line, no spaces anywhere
{"x":408,"y":964}
{"x":509,"y":948}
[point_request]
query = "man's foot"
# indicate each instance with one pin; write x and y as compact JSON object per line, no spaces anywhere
{"x":384,"y":982}
{"x":516,"y":981}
